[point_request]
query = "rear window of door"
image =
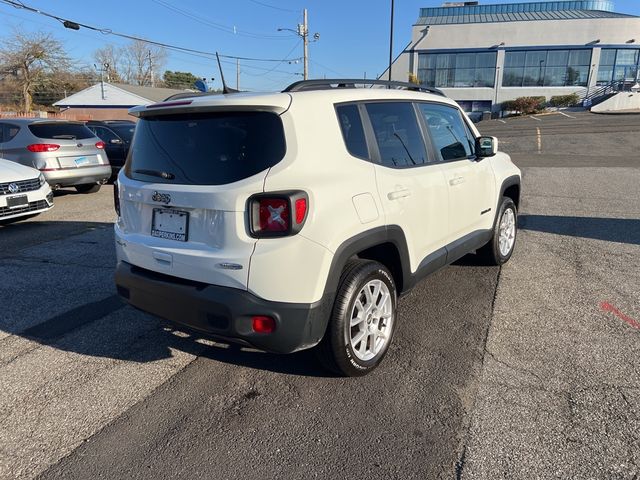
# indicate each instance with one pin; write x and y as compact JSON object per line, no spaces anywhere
{"x":397,"y":134}
{"x":205,"y":148}
{"x":61,"y":131}
{"x":449,"y":133}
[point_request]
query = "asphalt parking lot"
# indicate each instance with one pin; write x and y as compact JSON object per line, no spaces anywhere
{"x":527,"y":371}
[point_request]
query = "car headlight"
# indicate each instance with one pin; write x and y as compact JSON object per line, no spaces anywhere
{"x":42,"y":179}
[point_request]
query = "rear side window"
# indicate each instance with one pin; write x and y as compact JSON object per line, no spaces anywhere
{"x":104,"y":134}
{"x":352,"y":130}
{"x":450,"y":135}
{"x":61,"y":130}
{"x":8,"y":131}
{"x":205,"y":148}
{"x":124,"y":131}
{"x":397,"y":134}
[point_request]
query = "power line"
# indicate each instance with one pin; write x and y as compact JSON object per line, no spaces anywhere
{"x":273,"y":6}
{"x":218,"y":26}
{"x":107,"y":31}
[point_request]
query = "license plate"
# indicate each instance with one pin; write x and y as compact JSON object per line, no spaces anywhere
{"x":80,"y":161}
{"x":19,"y":201}
{"x":170,"y":224}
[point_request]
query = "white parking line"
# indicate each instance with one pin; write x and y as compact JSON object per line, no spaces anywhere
{"x":539,"y":140}
{"x":502,"y":121}
{"x":535,"y":118}
{"x":569,"y":116}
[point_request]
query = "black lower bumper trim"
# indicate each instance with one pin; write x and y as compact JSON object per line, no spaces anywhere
{"x":223,"y":312}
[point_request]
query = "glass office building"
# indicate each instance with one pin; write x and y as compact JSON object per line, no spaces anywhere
{"x":482,"y":55}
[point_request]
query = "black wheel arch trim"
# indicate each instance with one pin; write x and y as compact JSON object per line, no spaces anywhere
{"x":510,"y":182}
{"x":392,"y":234}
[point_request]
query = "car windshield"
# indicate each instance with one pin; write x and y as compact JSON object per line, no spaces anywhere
{"x":124,"y":131}
{"x":205,"y":148}
{"x":61,"y":131}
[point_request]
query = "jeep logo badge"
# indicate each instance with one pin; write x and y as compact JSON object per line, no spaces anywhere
{"x":161,"y":197}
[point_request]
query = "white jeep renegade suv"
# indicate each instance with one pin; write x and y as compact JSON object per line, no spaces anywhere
{"x":289,"y":220}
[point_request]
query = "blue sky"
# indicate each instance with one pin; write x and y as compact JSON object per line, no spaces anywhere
{"x":354,"y":34}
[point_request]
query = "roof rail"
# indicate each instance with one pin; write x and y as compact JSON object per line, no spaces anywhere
{"x":329,"y":83}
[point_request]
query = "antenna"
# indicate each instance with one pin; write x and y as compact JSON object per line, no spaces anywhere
{"x":225,"y":89}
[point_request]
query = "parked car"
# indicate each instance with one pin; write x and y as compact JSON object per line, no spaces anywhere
{"x":24,"y":192}
{"x":67,"y":153}
{"x":296,"y":219}
{"x":117,"y":136}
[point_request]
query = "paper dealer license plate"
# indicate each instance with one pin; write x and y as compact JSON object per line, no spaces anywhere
{"x":170,"y":224}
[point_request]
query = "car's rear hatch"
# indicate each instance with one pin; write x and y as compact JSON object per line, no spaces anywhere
{"x":185,"y":187}
{"x":72,"y":145}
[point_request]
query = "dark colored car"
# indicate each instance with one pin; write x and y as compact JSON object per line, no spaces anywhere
{"x":117,"y":136}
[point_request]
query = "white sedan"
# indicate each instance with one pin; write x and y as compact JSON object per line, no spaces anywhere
{"x":24,"y":192}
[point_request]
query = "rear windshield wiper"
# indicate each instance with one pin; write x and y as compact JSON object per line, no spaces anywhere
{"x":156,"y":173}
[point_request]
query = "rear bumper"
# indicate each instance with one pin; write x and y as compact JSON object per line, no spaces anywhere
{"x":223,"y":312}
{"x":78,"y":176}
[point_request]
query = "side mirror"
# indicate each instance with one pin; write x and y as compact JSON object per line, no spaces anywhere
{"x":486,"y":146}
{"x":115,"y":141}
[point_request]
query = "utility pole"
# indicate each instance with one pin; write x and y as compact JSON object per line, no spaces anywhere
{"x":153,"y":83}
{"x":303,"y":32}
{"x":305,"y":38}
{"x":237,"y":74}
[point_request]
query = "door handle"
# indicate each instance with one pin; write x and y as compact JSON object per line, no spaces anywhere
{"x":396,"y":194}
{"x":456,"y":181}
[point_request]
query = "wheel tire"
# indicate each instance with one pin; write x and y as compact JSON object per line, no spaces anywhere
{"x":336,"y":351}
{"x":491,"y":253}
{"x":88,"y":188}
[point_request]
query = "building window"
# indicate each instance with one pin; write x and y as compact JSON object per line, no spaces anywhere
{"x":457,"y":70}
{"x":546,"y":68}
{"x":618,"y":65}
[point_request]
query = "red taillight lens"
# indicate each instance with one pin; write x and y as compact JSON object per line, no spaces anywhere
{"x":100,"y":144}
{"x":263,"y":324}
{"x":301,"y":210}
{"x":43,"y":147}
{"x":274,"y":215}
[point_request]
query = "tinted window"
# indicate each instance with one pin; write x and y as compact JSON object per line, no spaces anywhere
{"x":124,"y":131}
{"x":397,"y":134}
{"x":352,"y":130}
{"x":205,"y":148}
{"x":104,"y":134}
{"x":61,"y":130}
{"x":450,"y":135}
{"x":8,"y":131}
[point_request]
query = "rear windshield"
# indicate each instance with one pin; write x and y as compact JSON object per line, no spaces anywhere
{"x":205,"y":148}
{"x":60,"y":130}
{"x":124,"y":131}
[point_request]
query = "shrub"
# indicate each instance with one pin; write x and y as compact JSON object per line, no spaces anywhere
{"x":525,"y":105}
{"x":564,"y":100}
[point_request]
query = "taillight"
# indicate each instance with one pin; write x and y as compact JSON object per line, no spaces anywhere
{"x":301,"y":209}
{"x":277,"y":214}
{"x":100,"y":144}
{"x":43,"y":147}
{"x":274,"y":215}
{"x":116,"y":197}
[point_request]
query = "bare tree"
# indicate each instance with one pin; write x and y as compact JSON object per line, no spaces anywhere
{"x":109,"y":58}
{"x":28,"y":58}
{"x":138,"y":63}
